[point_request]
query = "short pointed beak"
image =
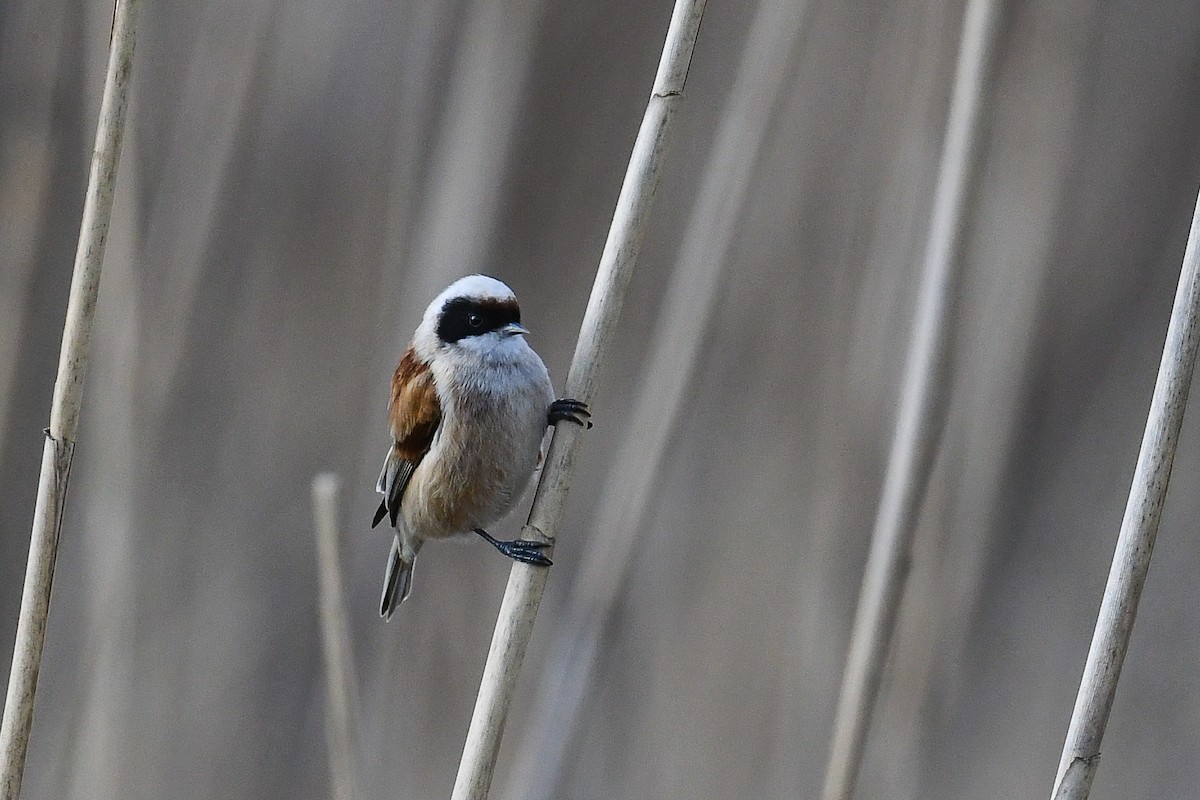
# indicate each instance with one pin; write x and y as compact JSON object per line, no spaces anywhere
{"x":514,"y":329}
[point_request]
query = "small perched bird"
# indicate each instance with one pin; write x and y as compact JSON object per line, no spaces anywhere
{"x":470,"y":404}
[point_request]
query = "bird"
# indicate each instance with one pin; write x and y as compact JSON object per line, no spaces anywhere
{"x":470,"y":404}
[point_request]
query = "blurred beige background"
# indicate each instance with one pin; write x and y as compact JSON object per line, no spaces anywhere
{"x":301,"y":177}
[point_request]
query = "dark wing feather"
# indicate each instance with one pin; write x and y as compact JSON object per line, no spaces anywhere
{"x":414,"y":414}
{"x":392,"y":482}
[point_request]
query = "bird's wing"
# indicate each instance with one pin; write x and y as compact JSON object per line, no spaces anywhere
{"x":414,"y":414}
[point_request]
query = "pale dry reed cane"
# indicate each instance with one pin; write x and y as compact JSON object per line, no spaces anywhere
{"x":341,"y":686}
{"x":64,"y":411}
{"x":679,"y":335}
{"x":1135,"y":543}
{"x":920,"y":415}
{"x":526,"y":583}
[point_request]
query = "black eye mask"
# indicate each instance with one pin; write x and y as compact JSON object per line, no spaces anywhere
{"x":464,"y":316}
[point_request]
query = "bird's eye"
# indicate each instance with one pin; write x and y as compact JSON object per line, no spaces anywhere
{"x":474,"y":320}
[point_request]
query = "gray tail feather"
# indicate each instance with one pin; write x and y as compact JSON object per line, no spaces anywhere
{"x":397,"y":581}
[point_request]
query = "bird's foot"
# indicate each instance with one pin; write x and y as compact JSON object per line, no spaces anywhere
{"x":568,"y":409}
{"x":526,"y":551}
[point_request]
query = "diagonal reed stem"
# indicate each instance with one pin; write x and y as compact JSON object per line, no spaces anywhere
{"x":519,"y":608}
{"x":673,"y":360}
{"x":919,"y":417}
{"x":1135,"y":544}
{"x":64,"y":411}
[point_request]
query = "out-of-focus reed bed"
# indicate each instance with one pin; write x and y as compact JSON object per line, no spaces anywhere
{"x":300,"y":178}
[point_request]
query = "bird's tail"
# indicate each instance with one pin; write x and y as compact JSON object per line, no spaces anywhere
{"x":397,"y":581}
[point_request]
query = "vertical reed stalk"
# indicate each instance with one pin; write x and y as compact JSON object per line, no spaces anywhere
{"x":64,"y":411}
{"x":1135,"y":543}
{"x":919,"y":417}
{"x":526,"y":583}
{"x":341,"y":687}
{"x":678,"y":339}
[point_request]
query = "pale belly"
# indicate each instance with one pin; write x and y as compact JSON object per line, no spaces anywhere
{"x":457,"y":489}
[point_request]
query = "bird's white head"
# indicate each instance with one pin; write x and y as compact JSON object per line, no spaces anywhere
{"x":476,"y":318}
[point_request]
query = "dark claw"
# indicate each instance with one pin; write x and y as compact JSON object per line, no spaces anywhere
{"x":568,"y":409}
{"x":526,"y":551}
{"x":518,"y":552}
